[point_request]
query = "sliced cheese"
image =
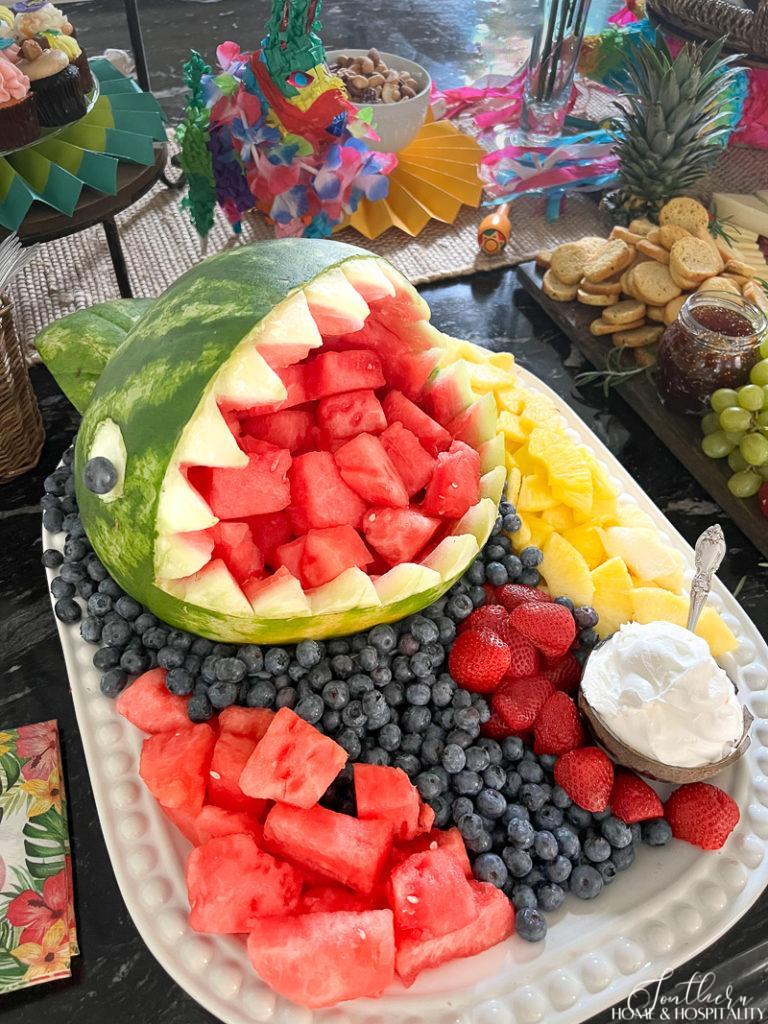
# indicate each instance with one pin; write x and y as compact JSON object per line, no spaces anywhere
{"x":745,"y":210}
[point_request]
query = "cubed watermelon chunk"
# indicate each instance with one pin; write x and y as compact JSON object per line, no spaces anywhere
{"x":148,"y":705}
{"x":231,"y":883}
{"x":230,"y":756}
{"x":251,"y":722}
{"x":494,"y":921}
{"x":287,"y":428}
{"x":331,"y":373}
{"x":431,"y":435}
{"x":398,"y":534}
{"x":321,"y":899}
{"x":455,"y":484}
{"x":437,"y":838}
{"x":430,"y":895}
{"x":270,"y":531}
{"x":366,"y":467}
{"x":412,"y":461}
{"x":184,"y":821}
{"x":387,"y":794}
{"x":328,"y":553}
{"x":290,"y":555}
{"x":319,"y":960}
{"x":174,"y":766}
{"x":293,"y":762}
{"x":407,"y":365}
{"x":351,"y":852}
{"x":215,"y":821}
{"x":320,"y":494}
{"x":351,"y":413}
{"x":255,"y":489}
{"x":233,"y":542}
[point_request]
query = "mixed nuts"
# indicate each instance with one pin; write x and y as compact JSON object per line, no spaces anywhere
{"x":369,"y":80}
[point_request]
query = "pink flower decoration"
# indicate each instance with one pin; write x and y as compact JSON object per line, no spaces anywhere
{"x":39,"y":744}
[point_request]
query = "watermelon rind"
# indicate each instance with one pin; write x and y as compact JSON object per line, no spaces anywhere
{"x":77,"y":347}
{"x":195,"y":349}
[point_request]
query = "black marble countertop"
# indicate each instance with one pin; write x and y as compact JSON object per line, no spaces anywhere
{"x":115,"y":978}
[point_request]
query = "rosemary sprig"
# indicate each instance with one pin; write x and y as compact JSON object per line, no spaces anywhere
{"x":614,"y":374}
{"x":717,"y":228}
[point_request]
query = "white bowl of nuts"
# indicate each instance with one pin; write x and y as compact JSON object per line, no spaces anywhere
{"x":396,"y":88}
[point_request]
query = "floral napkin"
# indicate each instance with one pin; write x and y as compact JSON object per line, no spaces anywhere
{"x":37,"y":921}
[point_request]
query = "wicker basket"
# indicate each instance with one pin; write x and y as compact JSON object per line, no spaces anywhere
{"x":744,"y":25}
{"x":21,"y":428}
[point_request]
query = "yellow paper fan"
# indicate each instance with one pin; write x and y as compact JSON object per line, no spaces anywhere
{"x":436,"y":175}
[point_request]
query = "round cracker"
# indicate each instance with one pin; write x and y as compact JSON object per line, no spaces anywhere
{"x":671,"y":233}
{"x":614,"y":257}
{"x":653,"y":251}
{"x":686,"y":212}
{"x":567,"y":262}
{"x":625,"y":312}
{"x":639,"y":336}
{"x":556,"y":289}
{"x":653,"y":284}
{"x":734,"y":266}
{"x":719,"y":284}
{"x":590,"y":299}
{"x":672,"y":309}
{"x":609,"y":287}
{"x":599,"y":327}
{"x":694,"y":259}
{"x":655,"y":313}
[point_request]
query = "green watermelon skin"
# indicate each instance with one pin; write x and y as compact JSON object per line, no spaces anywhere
{"x":151,"y":387}
{"x":77,"y":347}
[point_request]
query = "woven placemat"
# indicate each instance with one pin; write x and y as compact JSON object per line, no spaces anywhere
{"x":160,"y":244}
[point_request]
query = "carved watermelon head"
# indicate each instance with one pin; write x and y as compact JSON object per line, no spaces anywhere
{"x":274,"y":452}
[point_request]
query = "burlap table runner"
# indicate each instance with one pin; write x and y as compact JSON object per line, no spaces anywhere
{"x":160,"y":244}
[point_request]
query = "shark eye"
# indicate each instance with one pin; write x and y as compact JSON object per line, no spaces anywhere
{"x":104,"y":472}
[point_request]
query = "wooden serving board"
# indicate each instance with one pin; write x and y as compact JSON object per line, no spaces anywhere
{"x":681,"y":434}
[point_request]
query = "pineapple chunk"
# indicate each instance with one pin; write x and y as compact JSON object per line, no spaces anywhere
{"x":535,"y":494}
{"x":510,"y":399}
{"x":525,"y":463}
{"x":566,"y":465}
{"x":504,"y":360}
{"x":510,"y":425}
{"x":486,"y":377}
{"x":522,"y":537}
{"x":612,"y":599}
{"x":647,"y":557}
{"x":540,"y":530}
{"x":602,"y":486}
{"x":514,"y":483}
{"x":560,"y":517}
{"x":649,"y":604}
{"x":539,"y":411}
{"x":629,"y":514}
{"x":565,"y":571}
{"x":586,"y":539}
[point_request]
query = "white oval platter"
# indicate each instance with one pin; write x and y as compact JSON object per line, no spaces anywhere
{"x":672,"y":903}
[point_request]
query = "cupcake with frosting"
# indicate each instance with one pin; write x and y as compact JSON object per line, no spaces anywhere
{"x":55,"y":82}
{"x":35,"y":16}
{"x":8,"y":46}
{"x":52,"y":39}
{"x":19,"y":124}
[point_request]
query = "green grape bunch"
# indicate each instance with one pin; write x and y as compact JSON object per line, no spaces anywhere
{"x":737,"y":429}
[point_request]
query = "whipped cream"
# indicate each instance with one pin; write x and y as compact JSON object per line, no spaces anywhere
{"x":659,"y":690}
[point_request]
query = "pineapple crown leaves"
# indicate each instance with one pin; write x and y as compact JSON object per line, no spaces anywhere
{"x":671,"y":128}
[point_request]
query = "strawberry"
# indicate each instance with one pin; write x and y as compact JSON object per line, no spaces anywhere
{"x":524,"y":659}
{"x":586,"y":775}
{"x":550,"y":627}
{"x":478,"y":660}
{"x":564,"y":673}
{"x":490,"y":616}
{"x":633,"y":800}
{"x":513,"y":594}
{"x":518,"y":702}
{"x":701,"y":814}
{"x":557,"y":728}
{"x":495,"y":728}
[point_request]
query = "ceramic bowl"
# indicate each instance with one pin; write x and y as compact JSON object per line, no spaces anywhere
{"x":397,"y":124}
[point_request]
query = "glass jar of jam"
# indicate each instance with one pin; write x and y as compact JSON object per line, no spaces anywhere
{"x":712,"y":344}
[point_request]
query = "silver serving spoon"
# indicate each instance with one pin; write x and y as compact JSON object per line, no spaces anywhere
{"x":709,"y":553}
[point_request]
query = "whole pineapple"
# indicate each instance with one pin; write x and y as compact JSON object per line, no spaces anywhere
{"x":673,"y":126}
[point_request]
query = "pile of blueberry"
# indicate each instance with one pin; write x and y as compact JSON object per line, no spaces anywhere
{"x":386,"y":697}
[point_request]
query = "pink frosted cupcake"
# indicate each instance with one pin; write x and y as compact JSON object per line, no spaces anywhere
{"x":19,"y":124}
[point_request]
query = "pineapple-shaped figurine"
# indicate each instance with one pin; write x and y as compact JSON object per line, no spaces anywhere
{"x":675,"y":124}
